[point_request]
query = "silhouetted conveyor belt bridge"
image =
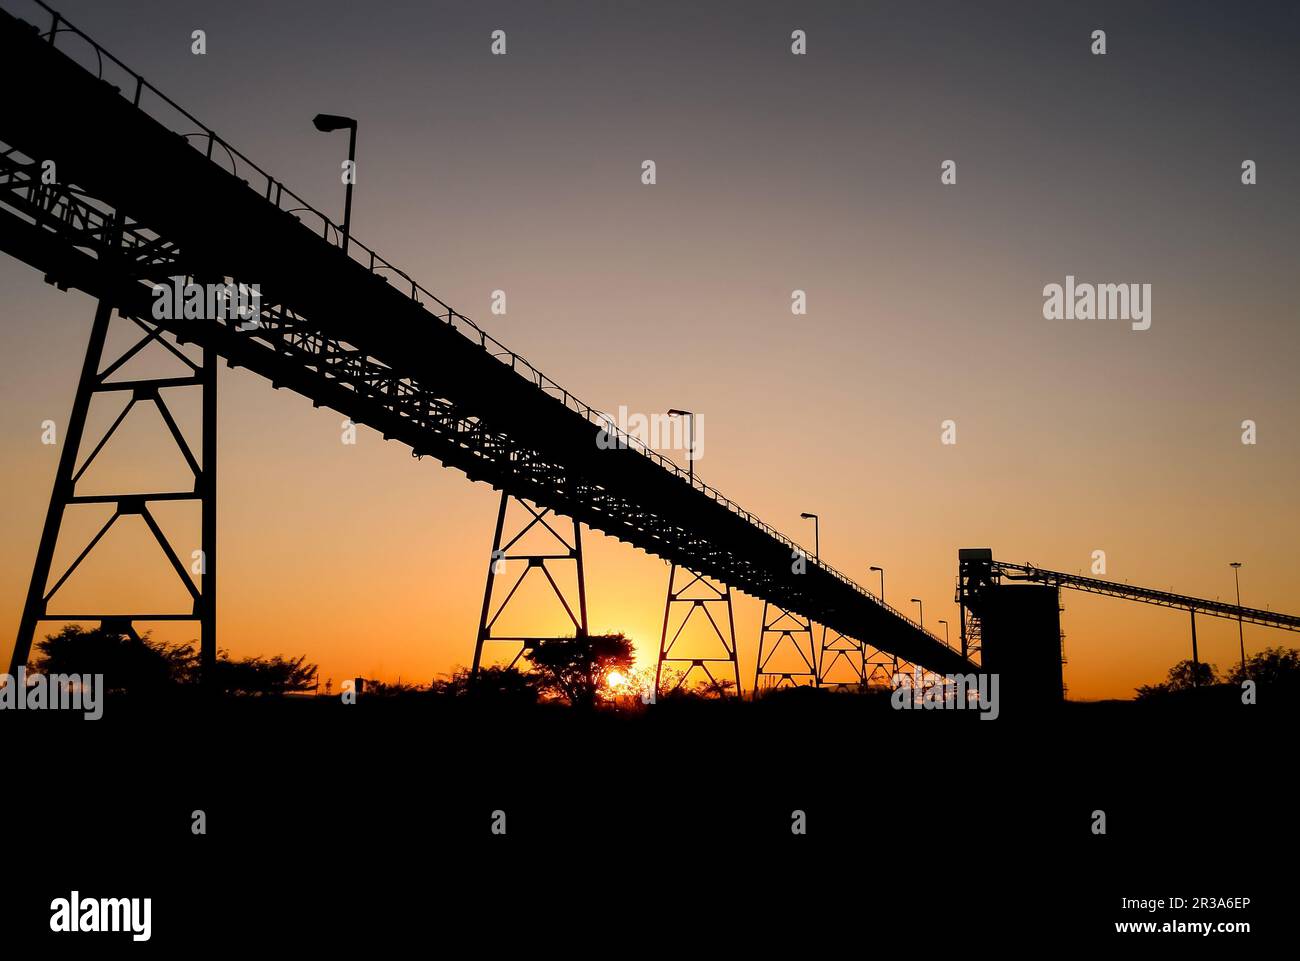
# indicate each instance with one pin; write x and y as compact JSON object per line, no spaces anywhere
{"x":146,"y":192}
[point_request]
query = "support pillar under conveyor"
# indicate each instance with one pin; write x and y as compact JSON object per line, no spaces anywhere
{"x":842,"y":661}
{"x":708,"y":604}
{"x":509,"y":555}
{"x":787,"y":655}
{"x":141,"y":391}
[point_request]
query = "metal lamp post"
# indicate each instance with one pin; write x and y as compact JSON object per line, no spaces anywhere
{"x":690,"y":442}
{"x":327,"y":123}
{"x":817,"y":548}
{"x":1241,"y":636}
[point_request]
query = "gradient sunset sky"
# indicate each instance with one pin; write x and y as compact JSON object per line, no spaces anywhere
{"x":775,"y":172}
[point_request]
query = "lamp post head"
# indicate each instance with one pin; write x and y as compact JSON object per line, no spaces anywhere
{"x":1235,"y":564}
{"x":916,"y":600}
{"x":327,"y":122}
{"x":878,"y":569}
{"x":674,"y":412}
{"x":808,"y":517}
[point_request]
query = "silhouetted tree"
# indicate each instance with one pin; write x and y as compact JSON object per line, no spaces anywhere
{"x":575,"y":668}
{"x":261,"y":676}
{"x":135,"y":664}
{"x":1271,"y":667}
{"x":1183,"y":676}
{"x":1188,"y":674}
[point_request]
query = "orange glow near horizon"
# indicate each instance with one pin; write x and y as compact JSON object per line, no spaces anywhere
{"x":373,"y":564}
{"x":775,"y":173}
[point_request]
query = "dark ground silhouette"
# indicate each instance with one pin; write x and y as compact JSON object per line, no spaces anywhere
{"x":929,"y":817}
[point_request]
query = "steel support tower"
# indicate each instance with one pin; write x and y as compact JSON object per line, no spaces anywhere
{"x":880,"y":668}
{"x":507,"y":557}
{"x":847,"y":664}
{"x":787,"y":639}
{"x":701,"y":598}
{"x":98,"y":379}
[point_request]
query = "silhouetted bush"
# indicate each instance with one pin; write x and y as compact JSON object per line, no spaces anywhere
{"x":129,"y":664}
{"x":263,"y":676}
{"x":141,"y":666}
{"x":702,"y":689}
{"x":499,"y":684}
